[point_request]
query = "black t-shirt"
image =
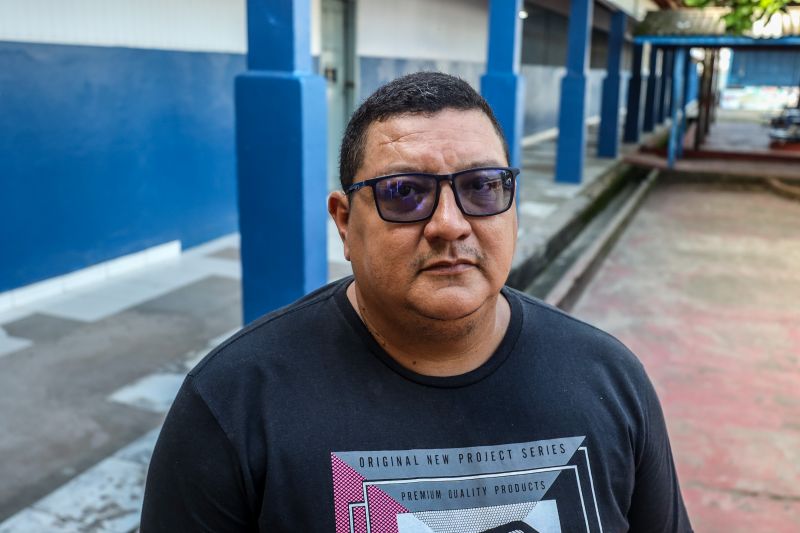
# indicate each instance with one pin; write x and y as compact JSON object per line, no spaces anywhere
{"x":301,"y":422}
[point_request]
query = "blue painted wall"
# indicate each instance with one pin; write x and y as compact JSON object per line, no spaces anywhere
{"x":376,"y":71}
{"x":765,"y":67}
{"x":108,"y":151}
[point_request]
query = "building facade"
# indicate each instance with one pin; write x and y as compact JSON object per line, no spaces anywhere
{"x":117,"y":130}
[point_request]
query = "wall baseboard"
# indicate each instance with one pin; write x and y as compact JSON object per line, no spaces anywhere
{"x":96,"y":273}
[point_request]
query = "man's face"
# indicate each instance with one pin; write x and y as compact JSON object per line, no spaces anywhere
{"x":449,"y":266}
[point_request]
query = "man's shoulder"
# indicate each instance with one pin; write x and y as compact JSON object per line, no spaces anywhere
{"x":276,"y":332}
{"x":573,"y":336}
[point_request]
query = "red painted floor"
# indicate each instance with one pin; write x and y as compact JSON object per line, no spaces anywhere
{"x":704,"y":287}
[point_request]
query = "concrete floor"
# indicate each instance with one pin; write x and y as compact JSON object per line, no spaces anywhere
{"x":732,"y":135}
{"x":98,"y":369}
{"x":745,"y":132}
{"x":704,"y":286}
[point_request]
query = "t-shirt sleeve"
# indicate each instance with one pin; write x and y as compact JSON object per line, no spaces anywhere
{"x":656,"y":504}
{"x":194,"y":482}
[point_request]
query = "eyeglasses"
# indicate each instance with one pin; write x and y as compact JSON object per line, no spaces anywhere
{"x":479,"y":192}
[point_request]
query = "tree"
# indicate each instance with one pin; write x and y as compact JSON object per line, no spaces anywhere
{"x":743,"y":13}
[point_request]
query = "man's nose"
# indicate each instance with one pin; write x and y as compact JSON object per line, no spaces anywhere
{"x":447,"y":222}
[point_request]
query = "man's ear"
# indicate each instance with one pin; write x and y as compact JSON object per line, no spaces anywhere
{"x":339,"y":209}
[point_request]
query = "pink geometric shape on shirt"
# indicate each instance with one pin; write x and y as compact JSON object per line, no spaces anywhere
{"x":360,"y":520}
{"x":383,"y":511}
{"x":347,"y":489}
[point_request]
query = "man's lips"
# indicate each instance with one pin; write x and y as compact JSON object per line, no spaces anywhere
{"x":449,"y":267}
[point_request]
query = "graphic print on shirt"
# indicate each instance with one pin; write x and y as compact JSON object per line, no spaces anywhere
{"x":535,"y":487}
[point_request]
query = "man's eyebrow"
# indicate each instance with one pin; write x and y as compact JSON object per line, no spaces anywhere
{"x":401,"y":168}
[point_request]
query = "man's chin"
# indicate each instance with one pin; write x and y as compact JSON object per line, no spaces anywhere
{"x":450,"y":303}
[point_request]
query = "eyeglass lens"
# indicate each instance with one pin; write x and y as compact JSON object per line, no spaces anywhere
{"x":412,"y":197}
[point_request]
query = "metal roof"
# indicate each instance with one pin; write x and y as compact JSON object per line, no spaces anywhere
{"x":706,"y":27}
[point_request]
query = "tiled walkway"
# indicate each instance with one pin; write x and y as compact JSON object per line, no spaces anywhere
{"x":88,"y":375}
{"x":704,"y":287}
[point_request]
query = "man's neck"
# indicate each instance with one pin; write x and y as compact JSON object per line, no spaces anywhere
{"x":435,"y":347}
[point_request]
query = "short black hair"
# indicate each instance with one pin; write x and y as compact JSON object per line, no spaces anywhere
{"x":418,"y":93}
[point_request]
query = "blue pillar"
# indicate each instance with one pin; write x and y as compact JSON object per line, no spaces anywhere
{"x":502,"y":86}
{"x":571,"y":150}
{"x":608,"y":135}
{"x":684,"y":101}
{"x":636,"y":88}
{"x":653,"y":96}
{"x":672,"y":101}
{"x":675,"y":132}
{"x":694,"y":83}
{"x":687,"y":79}
{"x":280,"y":149}
{"x":665,"y":105}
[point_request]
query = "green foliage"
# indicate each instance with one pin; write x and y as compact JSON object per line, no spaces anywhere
{"x":744,"y":13}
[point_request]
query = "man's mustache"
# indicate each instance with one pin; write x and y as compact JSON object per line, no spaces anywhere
{"x":451,"y":253}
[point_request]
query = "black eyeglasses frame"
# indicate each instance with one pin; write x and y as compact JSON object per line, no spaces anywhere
{"x":372,"y":182}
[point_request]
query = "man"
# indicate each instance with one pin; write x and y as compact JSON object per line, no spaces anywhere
{"x":420,"y":395}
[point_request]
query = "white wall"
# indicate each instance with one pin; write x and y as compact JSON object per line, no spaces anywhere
{"x":316,"y":27}
{"x":190,"y":25}
{"x":423,"y":29}
{"x":634,"y":8}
